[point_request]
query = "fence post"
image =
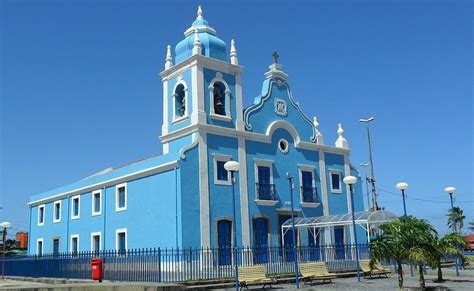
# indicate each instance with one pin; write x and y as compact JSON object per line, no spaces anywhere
{"x":159,"y":265}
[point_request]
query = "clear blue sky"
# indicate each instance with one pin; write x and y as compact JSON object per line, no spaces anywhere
{"x":80,"y":89}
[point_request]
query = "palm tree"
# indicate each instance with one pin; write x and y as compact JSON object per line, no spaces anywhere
{"x":404,"y":239}
{"x":448,"y":245}
{"x":457,"y":218}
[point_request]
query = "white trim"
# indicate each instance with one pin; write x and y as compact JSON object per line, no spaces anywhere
{"x":324,"y":193}
{"x":227,"y":106}
{"x":54,"y":211}
{"x":177,"y":119}
{"x":238,"y":104}
{"x":310,"y":204}
{"x":266,"y":202}
{"x":73,"y":236}
{"x":164,"y":126}
{"x":117,"y":207}
{"x":337,"y":172}
{"x":44,"y":215}
{"x":221,"y":158}
{"x":99,"y":234}
{"x":117,"y":231}
{"x":244,"y":197}
{"x":287,"y":145}
{"x":111,"y":182}
{"x":94,"y":213}
{"x":42,"y":246}
{"x":78,"y":197}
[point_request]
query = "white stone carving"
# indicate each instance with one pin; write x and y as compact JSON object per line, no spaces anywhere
{"x":281,"y":107}
{"x":341,"y":142}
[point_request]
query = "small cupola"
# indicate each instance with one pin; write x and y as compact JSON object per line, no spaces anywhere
{"x":211,"y":45}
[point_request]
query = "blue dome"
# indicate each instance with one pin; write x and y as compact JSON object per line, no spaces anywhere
{"x":211,"y":45}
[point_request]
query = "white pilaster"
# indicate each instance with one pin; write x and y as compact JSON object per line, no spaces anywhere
{"x":347,"y":172}
{"x":164,"y":126}
{"x":204,"y":191}
{"x":324,"y":193}
{"x":197,"y":43}
{"x":233,"y":53}
{"x":169,"y":58}
{"x":238,"y":103}
{"x":244,"y":199}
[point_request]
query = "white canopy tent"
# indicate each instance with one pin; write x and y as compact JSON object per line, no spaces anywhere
{"x":365,"y":219}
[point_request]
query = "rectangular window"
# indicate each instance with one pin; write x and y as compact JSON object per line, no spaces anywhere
{"x":41,"y":214}
{"x":55,"y":246}
{"x":221,"y":176}
{"x":95,"y":242}
{"x":264,"y":185}
{"x":308,"y":192}
{"x":76,"y":207}
{"x":74,"y":244}
{"x":39,"y":246}
{"x":121,"y":197}
{"x":121,"y":241}
{"x":336,"y":186}
{"x":96,"y":202}
{"x":57,"y":212}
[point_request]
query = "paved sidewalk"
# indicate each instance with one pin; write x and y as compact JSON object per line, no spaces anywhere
{"x":390,"y":283}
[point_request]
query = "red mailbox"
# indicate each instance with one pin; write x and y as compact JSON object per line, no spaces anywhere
{"x":96,"y":268}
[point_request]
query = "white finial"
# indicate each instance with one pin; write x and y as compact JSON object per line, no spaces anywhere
{"x":197,"y":43}
{"x":199,"y":13}
{"x":341,"y":142}
{"x":319,"y":135}
{"x":169,"y":58}
{"x":233,"y":53}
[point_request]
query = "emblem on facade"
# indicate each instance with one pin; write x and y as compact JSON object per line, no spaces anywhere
{"x":280,"y":107}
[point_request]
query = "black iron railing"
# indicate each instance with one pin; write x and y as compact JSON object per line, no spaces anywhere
{"x":309,"y":194}
{"x":177,"y":265}
{"x":266,"y":191}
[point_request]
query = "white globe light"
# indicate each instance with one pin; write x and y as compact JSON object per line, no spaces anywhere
{"x":402,"y":186}
{"x":5,"y":224}
{"x":232,"y":166}
{"x":350,"y":180}
{"x":450,"y":190}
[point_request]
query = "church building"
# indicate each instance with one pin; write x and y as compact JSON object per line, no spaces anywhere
{"x":183,"y":197}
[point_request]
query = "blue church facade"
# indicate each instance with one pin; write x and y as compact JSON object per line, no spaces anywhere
{"x":183,"y":198}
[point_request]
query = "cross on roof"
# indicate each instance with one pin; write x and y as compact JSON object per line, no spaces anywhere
{"x":275,"y":56}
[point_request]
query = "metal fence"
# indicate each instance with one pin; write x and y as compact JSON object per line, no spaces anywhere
{"x":178,"y":265}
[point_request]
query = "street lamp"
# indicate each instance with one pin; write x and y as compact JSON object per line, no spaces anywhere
{"x":351,"y":180}
{"x":367,"y":184}
{"x":232,"y":167}
{"x":295,"y":256}
{"x":402,"y":186}
{"x":450,"y":191}
{"x":371,"y":162}
{"x":4,"y":225}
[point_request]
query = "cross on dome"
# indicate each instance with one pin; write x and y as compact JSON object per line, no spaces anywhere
{"x":275,"y":56}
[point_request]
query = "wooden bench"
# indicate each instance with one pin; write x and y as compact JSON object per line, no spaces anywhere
{"x":315,"y":271}
{"x":254,"y":275}
{"x":371,"y":272}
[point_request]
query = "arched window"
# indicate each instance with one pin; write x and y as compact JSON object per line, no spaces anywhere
{"x":219,"y":96}
{"x":179,"y":101}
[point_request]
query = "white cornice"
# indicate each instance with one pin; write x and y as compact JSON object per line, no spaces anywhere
{"x":114,"y":181}
{"x":207,"y":62}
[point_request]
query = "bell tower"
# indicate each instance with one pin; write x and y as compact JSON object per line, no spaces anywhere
{"x":201,"y":85}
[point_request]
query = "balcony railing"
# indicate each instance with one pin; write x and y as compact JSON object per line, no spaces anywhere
{"x":266,"y":191}
{"x":309,"y":194}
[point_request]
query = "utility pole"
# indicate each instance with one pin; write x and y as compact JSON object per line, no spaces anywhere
{"x":367,"y":185}
{"x":371,"y":162}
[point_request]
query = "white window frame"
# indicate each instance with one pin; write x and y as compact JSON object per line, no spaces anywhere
{"x":117,"y":208}
{"x":42,"y":246}
{"x":54,"y":211}
{"x":94,"y":213}
{"x":42,"y":206}
{"x":117,"y":231}
{"x":78,"y":197}
{"x":306,"y":168}
{"x":93,"y":234}
{"x":221,"y":158}
{"x":73,"y":236}
{"x":263,"y":163}
{"x":177,"y":119}
{"x":337,"y":172}
{"x":228,"y":116}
